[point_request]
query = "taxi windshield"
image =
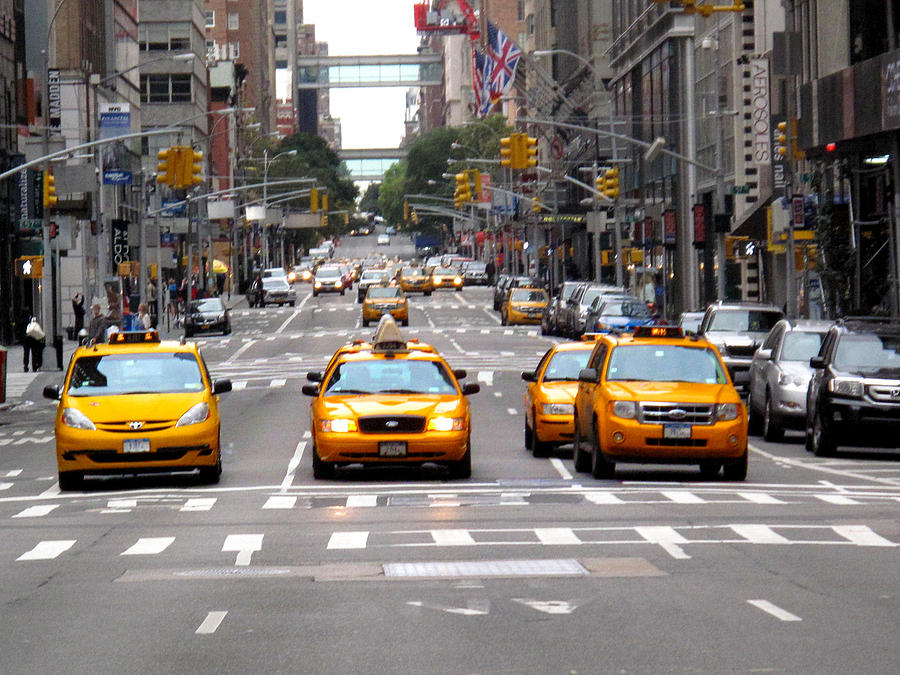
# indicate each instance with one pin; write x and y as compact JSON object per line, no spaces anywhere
{"x":390,"y":376}
{"x":664,"y":363}
{"x":446,"y":271}
{"x":412,"y":272}
{"x":116,"y":374}
{"x":384,"y":292}
{"x":527,"y":295}
{"x":564,"y":366}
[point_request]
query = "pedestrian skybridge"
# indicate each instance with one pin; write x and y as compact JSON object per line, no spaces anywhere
{"x":402,"y":70}
{"x":371,"y":163}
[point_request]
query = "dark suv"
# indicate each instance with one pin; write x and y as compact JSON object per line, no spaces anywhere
{"x":737,"y":329}
{"x":854,"y":394}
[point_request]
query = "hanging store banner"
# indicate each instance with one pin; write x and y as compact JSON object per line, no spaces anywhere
{"x":890,"y":90}
{"x":699,"y":212}
{"x":671,"y":227}
{"x":120,"y":249}
{"x":115,"y":120}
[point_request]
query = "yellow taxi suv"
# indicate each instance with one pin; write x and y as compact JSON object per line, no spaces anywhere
{"x":658,"y":397}
{"x":550,"y":396}
{"x":524,"y":306}
{"x":137,"y":405}
{"x":390,"y":402}
{"x":414,"y":280}
{"x":446,"y":278}
{"x":382,"y":300}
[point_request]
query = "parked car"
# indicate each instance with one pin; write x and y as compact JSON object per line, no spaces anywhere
{"x":275,"y":291}
{"x":575,"y":311}
{"x":207,"y":315}
{"x":617,"y":313}
{"x":737,"y":329}
{"x":780,"y":374}
{"x":550,"y":316}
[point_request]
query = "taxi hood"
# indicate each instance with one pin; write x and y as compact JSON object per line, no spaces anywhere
{"x":673,"y":392}
{"x":560,"y":391}
{"x":125,"y":407}
{"x":425,"y":405}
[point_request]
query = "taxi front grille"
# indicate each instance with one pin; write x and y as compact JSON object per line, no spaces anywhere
{"x":127,"y":428}
{"x":680,"y":413}
{"x":676,"y":442}
{"x":114,"y":457}
{"x":392,"y":424}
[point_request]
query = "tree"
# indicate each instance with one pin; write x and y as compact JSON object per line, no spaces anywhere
{"x":369,"y":201}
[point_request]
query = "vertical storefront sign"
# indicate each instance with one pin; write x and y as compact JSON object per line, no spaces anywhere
{"x":762,"y":128}
{"x":115,"y":120}
{"x":699,"y":212}
{"x":120,"y":249}
{"x":54,"y":100}
{"x":890,"y":91}
{"x":670,"y":226}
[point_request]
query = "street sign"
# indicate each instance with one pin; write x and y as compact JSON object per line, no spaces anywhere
{"x":797,"y":210}
{"x":30,"y":267}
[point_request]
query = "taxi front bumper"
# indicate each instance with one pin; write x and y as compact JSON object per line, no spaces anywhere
{"x":375,"y":313}
{"x":430,"y":446}
{"x":98,"y":451}
{"x":630,"y":441}
{"x":517,"y":317}
{"x":555,"y":428}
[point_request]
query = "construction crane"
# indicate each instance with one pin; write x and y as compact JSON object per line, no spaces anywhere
{"x":434,"y":17}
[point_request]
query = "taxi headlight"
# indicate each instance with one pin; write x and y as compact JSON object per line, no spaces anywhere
{"x":846,"y":387}
{"x":76,"y":419}
{"x":625,"y":409}
{"x":457,"y":280}
{"x":446,"y":424}
{"x":338,"y":426}
{"x":727,"y":411}
{"x":559,"y":409}
{"x":307,"y":275}
{"x":338,"y":284}
{"x":198,"y":413}
{"x":318,"y":284}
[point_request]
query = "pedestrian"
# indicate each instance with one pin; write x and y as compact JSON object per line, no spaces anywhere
{"x":98,"y":324}
{"x":649,"y":292}
{"x":33,"y":344}
{"x":78,"y":310}
{"x":491,"y":270}
{"x":144,"y":316}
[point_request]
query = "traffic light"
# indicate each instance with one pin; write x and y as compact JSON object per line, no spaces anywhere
{"x":529,"y":151}
{"x":29,"y":267}
{"x":346,"y":218}
{"x":314,"y":200}
{"x":325,"y":204}
{"x":50,"y":198}
{"x":475,"y":175}
{"x":415,"y":218}
{"x":54,"y":230}
{"x":506,"y":151}
{"x":600,"y":182}
{"x":781,"y":139}
{"x":606,"y":258}
{"x":612,"y":183}
{"x":405,"y":210}
{"x":165,"y":169}
{"x":193,"y":167}
{"x":463,"y":189}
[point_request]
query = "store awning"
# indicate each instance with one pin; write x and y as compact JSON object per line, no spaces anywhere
{"x":753,"y":223}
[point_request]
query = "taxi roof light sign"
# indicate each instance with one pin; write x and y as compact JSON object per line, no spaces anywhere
{"x":658,"y":332}
{"x":387,"y":336}
{"x":134,"y":337}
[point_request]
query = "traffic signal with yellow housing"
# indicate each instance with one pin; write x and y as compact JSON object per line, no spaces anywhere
{"x":600,"y":182}
{"x":506,"y":151}
{"x":193,"y":167}
{"x":314,"y":200}
{"x":781,"y":140}
{"x":611,"y":189}
{"x":463,"y":189}
{"x":475,"y":176}
{"x":49,"y":197}
{"x":529,"y":151}
{"x":325,"y":203}
{"x":165,"y":169}
{"x":415,"y":218}
{"x":405,"y":210}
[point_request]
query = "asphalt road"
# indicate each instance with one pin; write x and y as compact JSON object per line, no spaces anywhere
{"x":524,"y":568}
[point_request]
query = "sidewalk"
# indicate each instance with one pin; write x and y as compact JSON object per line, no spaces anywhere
{"x":22,"y":386}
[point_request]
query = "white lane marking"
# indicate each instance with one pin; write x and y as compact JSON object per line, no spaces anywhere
{"x":814,"y":466}
{"x":507,"y":353}
{"x":292,"y":465}
{"x":120,"y":504}
{"x":452,"y":537}
{"x":211,"y":623}
{"x":240,"y":385}
{"x":345,"y":540}
{"x":498,"y":394}
{"x":759,"y":534}
{"x":561,"y":469}
{"x":840,"y":500}
{"x":307,"y":434}
{"x":549,"y":606}
{"x":48,"y":550}
{"x":667,"y":538}
{"x":486,"y":376}
{"x":198,"y":504}
{"x":244,"y":544}
{"x":556,"y":536}
{"x":774,"y":610}
{"x":277,"y":383}
{"x":759,"y":498}
{"x":861,"y":535}
{"x":682,"y":497}
{"x":149,"y":546}
{"x":244,"y":347}
{"x":362,"y":501}
{"x":280,"y":502}
{"x":605,"y":498}
{"x":294,"y":314}
{"x":13,"y":474}
{"x":52,"y":491}
{"x":475,"y":608}
{"x":36,"y":511}
{"x":512,"y":411}
{"x":5,"y":486}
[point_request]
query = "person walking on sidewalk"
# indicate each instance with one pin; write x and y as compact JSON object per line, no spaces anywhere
{"x":78,"y":309}
{"x":98,"y":325}
{"x":32,"y":342}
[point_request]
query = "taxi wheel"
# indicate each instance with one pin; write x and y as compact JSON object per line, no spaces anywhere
{"x":771,"y":428}
{"x":538,"y":447}
{"x":321,"y":469}
{"x":582,"y":460}
{"x":822,"y":443}
{"x":70,"y":480}
{"x":737,"y":470}
{"x":600,"y":467}
{"x":462,"y":468}
{"x":710,"y":471}
{"x":428,"y":293}
{"x":210,"y":474}
{"x":404,"y":322}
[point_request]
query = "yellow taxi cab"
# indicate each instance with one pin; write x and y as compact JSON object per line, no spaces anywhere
{"x":414,"y":280}
{"x":655,"y":396}
{"x":524,"y":306}
{"x":382,"y":300}
{"x":550,"y":396}
{"x":390,"y":402}
{"x":446,"y":277}
{"x":137,"y":405}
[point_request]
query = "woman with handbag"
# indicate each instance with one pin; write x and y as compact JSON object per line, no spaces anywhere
{"x":33,"y":345}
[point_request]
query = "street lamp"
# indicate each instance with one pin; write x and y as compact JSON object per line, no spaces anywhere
{"x":266,"y":164}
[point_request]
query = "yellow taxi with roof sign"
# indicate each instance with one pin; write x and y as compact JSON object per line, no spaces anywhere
{"x":390,"y":402}
{"x":446,"y":277}
{"x":385,"y":300}
{"x":137,"y":405}
{"x":415,"y":280}
{"x":524,"y":306}
{"x":655,"y":396}
{"x":550,"y":396}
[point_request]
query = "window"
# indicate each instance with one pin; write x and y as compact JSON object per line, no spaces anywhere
{"x":234,"y":50}
{"x":280,"y":16}
{"x":164,"y":37}
{"x":166,"y":88}
{"x":210,"y":18}
{"x":234,"y":22}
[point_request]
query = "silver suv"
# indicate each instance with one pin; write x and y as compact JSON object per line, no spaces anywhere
{"x":737,"y":329}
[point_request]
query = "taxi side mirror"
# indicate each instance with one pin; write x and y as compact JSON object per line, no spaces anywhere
{"x":310,"y":389}
{"x":53,"y":393}
{"x":221,"y":386}
{"x":471,"y":388}
{"x":589,"y":375}
{"x":817,"y":362}
{"x":529,"y":376}
{"x":314,"y":376}
{"x":460,"y":374}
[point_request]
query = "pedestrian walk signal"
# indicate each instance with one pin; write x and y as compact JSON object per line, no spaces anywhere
{"x":30,"y":267}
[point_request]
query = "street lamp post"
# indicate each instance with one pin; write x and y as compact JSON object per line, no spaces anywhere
{"x":266,"y":164}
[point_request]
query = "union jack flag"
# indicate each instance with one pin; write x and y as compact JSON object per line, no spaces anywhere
{"x":505,"y":57}
{"x":482,"y":71}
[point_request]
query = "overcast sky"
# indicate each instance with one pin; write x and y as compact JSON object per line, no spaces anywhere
{"x":371,"y":117}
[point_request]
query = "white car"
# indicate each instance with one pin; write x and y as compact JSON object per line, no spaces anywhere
{"x":383,"y":240}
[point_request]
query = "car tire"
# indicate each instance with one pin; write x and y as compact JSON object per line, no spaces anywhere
{"x":315,"y":294}
{"x":365,"y":323}
{"x":70,"y":480}
{"x":404,"y":323}
{"x":342,"y":292}
{"x":359,"y":299}
{"x":601,"y":468}
{"x":503,"y":321}
{"x":459,"y":290}
{"x":710,"y":471}
{"x":227,"y":331}
{"x":538,"y":447}
{"x":294,"y":304}
{"x":428,"y":293}
{"x":754,"y":423}
{"x":209,"y":475}
{"x":772,"y":430}
{"x":582,"y":459}
{"x":188,"y":334}
{"x":735,"y":471}
{"x":528,"y":433}
{"x":462,"y":468}
{"x":321,"y":470}
{"x":822,"y":443}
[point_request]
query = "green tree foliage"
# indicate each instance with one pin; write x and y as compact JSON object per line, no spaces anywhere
{"x":390,"y":195}
{"x":369,"y":201}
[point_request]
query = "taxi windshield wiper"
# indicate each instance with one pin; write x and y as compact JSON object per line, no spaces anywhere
{"x":399,"y":391}
{"x":560,"y":379}
{"x":337,"y":392}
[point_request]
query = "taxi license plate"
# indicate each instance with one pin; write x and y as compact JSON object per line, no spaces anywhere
{"x":392,"y":449}
{"x":676,"y":431}
{"x":134,"y":445}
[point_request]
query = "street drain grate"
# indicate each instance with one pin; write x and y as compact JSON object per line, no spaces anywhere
{"x":490,"y":568}
{"x":215,"y":572}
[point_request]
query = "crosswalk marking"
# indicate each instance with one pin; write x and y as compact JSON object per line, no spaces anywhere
{"x":603,"y":498}
{"x":280,"y":502}
{"x":37,"y":511}
{"x":452,"y":537}
{"x":211,"y":623}
{"x":348,"y":540}
{"x":759,"y":498}
{"x":278,"y":383}
{"x":861,"y":535}
{"x":362,"y":501}
{"x":198,"y":504}
{"x":837,"y":499}
{"x":556,"y":536}
{"x":682,"y":497}
{"x":240,"y":385}
{"x":5,"y":486}
{"x":759,"y":534}
{"x":48,"y":550}
{"x":244,"y":545}
{"x":149,"y":546}
{"x":15,"y":473}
